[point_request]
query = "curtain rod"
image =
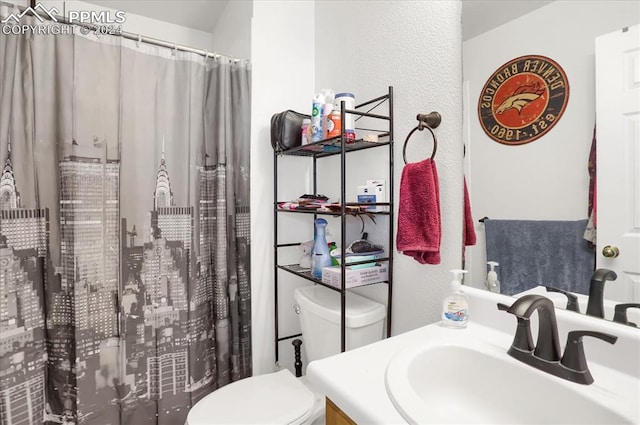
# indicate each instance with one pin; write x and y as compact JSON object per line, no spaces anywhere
{"x":133,"y":36}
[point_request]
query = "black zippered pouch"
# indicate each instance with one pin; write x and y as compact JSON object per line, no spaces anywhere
{"x":286,"y":129}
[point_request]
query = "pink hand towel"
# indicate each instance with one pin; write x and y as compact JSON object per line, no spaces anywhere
{"x":419,"y":228}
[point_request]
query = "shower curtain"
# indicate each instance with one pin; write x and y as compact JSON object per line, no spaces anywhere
{"x":124,"y":231}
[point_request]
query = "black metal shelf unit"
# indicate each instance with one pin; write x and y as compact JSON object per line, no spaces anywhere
{"x":340,"y":145}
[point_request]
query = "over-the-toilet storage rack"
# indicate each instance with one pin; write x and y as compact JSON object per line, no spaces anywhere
{"x":342,"y":146}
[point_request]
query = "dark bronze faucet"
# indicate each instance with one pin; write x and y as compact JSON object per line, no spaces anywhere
{"x":595,"y":305}
{"x":545,"y":355}
{"x":548,"y":345}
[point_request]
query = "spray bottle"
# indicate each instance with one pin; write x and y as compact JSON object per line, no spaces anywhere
{"x":317,"y":124}
{"x":492,"y":283}
{"x":455,"y":308}
{"x":320,"y":256}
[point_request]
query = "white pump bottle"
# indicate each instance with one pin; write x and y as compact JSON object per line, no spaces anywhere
{"x":455,"y":308}
{"x":492,"y":283}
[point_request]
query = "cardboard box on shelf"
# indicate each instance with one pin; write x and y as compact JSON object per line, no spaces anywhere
{"x":331,"y":276}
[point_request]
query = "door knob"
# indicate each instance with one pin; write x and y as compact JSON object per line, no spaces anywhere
{"x":610,"y":251}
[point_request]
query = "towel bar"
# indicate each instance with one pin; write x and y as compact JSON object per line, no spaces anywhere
{"x":429,"y":121}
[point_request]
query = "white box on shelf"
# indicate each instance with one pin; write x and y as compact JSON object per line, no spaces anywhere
{"x":371,"y":193}
{"x":366,"y":194}
{"x":359,"y":277}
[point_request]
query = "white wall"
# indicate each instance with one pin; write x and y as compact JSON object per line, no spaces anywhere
{"x":283,"y":74}
{"x":546,"y":179}
{"x":414,"y":46}
{"x":232,"y":33}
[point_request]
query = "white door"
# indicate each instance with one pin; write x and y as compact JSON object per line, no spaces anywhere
{"x":618,"y":161}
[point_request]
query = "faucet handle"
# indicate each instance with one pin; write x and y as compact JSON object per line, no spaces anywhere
{"x":572,"y":299}
{"x":522,"y":341}
{"x":620,"y":315}
{"x":573,"y":357}
{"x":503,"y":307}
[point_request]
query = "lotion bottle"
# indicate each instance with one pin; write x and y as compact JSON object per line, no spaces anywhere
{"x":455,"y":308}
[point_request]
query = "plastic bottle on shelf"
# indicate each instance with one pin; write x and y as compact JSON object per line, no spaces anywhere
{"x":320,"y":256}
{"x":304,"y":131}
{"x":349,"y":103}
{"x":332,"y":246}
{"x":329,"y":98}
{"x":333,"y":124}
{"x":316,"y":117}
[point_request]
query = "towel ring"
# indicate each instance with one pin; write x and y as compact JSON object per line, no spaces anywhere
{"x":420,"y":127}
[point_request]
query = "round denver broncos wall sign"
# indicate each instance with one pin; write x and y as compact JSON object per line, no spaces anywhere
{"x":523,"y":100}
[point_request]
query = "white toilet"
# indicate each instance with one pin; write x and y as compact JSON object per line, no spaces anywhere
{"x":280,"y":397}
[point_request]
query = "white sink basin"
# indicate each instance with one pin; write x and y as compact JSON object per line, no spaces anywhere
{"x":467,"y":380}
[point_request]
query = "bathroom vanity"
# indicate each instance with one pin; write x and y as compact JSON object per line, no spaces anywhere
{"x":422,"y":375}
{"x":335,"y":415}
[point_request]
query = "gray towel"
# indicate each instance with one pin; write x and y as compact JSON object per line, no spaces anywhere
{"x":532,"y":253}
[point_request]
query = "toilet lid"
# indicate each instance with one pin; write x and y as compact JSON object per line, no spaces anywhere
{"x":275,"y":398}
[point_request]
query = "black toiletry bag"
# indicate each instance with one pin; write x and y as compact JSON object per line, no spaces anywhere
{"x":286,"y":130}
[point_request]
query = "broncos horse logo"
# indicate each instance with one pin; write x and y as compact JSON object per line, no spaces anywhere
{"x":521,"y":97}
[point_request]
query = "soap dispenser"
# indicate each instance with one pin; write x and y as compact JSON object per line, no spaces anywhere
{"x":455,"y":309}
{"x":492,"y":283}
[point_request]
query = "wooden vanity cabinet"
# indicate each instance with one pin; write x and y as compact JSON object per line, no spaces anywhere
{"x":335,"y":416}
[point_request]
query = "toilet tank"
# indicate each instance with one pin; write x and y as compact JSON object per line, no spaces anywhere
{"x":320,"y":321}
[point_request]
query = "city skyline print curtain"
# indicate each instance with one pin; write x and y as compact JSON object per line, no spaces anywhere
{"x":124,"y":229}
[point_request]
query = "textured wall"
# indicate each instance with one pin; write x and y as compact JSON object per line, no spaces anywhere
{"x":415,"y":46}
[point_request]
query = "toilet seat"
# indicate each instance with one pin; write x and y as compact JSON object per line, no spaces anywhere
{"x":274,"y":398}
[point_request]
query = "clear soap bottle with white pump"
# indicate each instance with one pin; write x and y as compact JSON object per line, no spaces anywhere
{"x":455,"y":308}
{"x":492,"y":283}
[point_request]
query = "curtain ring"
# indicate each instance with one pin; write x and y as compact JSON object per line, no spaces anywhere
{"x":175,"y":48}
{"x":435,"y":141}
{"x":206,"y":55}
{"x":139,"y":41}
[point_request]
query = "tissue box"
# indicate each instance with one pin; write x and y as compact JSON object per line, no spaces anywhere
{"x":371,"y":193}
{"x":358,"y":277}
